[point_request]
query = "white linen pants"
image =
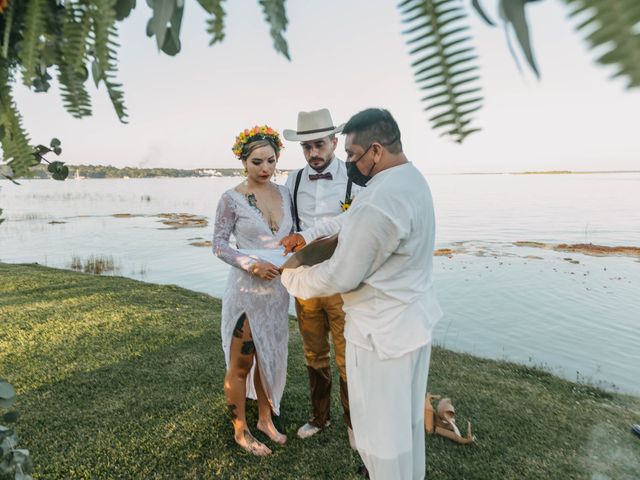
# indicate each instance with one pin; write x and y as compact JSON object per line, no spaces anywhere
{"x":387,"y":411}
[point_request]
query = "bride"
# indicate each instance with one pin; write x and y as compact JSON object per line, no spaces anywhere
{"x":255,"y":305}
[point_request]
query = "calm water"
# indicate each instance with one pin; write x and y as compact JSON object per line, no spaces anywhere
{"x":576,"y":315}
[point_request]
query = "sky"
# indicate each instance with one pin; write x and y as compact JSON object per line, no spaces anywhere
{"x":185,"y":111}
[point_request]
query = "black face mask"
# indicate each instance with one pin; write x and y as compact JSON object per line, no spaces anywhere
{"x":355,"y":175}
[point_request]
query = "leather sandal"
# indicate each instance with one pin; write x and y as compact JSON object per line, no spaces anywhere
{"x":442,"y":421}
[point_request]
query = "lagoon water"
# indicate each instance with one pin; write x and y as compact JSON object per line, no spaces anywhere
{"x":576,"y":315}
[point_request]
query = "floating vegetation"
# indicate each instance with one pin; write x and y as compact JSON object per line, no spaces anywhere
{"x":183,"y":220}
{"x":172,"y":220}
{"x":585,"y":248}
{"x":201,"y":243}
{"x":95,"y":264}
{"x":445,"y":252}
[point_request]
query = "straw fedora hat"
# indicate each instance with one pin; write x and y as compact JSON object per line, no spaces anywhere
{"x":311,"y":126}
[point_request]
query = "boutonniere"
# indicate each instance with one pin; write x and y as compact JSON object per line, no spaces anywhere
{"x":346,"y":204}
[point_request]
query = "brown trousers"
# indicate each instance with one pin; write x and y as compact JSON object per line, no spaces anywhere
{"x":317,"y":317}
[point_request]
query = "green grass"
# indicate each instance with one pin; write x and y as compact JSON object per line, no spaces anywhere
{"x":118,"y":379}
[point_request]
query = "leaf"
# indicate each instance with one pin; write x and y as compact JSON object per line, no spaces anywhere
{"x":123,"y":8}
{"x":54,"y":143}
{"x":439,"y":34}
{"x":215,"y":25}
{"x":483,"y":15}
{"x":171,"y":44}
{"x":276,"y":16}
{"x":612,"y":27}
{"x":18,"y":154}
{"x":103,"y":19}
{"x":512,"y":12}
{"x":32,"y":33}
{"x":58,"y":170}
{"x":163,"y":11}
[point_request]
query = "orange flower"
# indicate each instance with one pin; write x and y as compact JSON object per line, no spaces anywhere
{"x":3,"y":5}
{"x":245,"y":135}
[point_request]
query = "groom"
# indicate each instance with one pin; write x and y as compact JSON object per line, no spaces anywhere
{"x":383,"y":267}
{"x":319,"y":192}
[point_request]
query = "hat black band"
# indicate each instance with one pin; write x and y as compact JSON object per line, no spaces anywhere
{"x":315,"y":131}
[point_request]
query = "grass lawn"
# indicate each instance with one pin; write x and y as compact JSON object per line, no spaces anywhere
{"x":119,"y":379}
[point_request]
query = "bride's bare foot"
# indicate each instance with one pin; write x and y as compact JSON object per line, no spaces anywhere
{"x":249,"y":443}
{"x":269,"y":429}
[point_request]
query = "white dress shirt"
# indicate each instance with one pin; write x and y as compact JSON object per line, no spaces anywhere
{"x":383,"y":265}
{"x":319,"y":200}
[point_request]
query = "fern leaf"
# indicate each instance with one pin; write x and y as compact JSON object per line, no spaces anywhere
{"x":75,"y":35}
{"x":17,"y":151}
{"x":445,"y":67}
{"x":276,"y":16}
{"x":104,"y":32}
{"x":7,"y":25}
{"x":71,"y":60}
{"x":612,"y":25}
{"x":75,"y":97}
{"x":31,"y":39}
{"x":215,"y":24}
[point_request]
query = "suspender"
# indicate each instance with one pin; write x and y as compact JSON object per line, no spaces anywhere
{"x":295,"y":199}
{"x":347,"y":197}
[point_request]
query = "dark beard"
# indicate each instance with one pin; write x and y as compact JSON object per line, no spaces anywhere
{"x":324,"y":167}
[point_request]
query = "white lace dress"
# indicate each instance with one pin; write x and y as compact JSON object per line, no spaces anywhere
{"x":265,"y":302}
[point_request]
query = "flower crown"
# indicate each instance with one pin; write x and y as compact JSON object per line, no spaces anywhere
{"x":256,"y":133}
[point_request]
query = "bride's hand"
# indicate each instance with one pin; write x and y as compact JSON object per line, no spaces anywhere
{"x":293,"y":243}
{"x":265,"y":270}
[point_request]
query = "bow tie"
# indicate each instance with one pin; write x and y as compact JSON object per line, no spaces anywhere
{"x":320,"y":176}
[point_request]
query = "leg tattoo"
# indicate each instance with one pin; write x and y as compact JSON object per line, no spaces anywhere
{"x":232,"y":410}
{"x":237,"y":330}
{"x":247,"y":348}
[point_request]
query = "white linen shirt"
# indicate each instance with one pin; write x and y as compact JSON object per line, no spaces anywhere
{"x":383,"y":265}
{"x":319,"y":200}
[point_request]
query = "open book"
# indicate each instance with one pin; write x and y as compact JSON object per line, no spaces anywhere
{"x":315,"y":252}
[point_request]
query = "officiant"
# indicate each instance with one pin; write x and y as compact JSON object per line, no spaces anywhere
{"x":319,"y":191}
{"x":382,"y":266}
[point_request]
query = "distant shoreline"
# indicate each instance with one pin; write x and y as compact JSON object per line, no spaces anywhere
{"x":546,"y":172}
{"x":81,"y":172}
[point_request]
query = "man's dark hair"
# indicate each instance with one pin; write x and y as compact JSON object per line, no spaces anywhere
{"x":374,"y":125}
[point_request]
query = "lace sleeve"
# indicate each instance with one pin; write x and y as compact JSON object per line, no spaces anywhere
{"x":226,"y":218}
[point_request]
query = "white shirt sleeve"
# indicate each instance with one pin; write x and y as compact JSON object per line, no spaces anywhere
{"x":367,"y":238}
{"x":326,"y":227}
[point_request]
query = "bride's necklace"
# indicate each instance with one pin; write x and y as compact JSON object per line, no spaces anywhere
{"x":269,"y":217}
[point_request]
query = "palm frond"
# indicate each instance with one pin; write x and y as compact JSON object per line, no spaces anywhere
{"x":445,"y":66}
{"x":612,"y":25}
{"x":104,"y":68}
{"x":215,"y":24}
{"x":32,"y":39}
{"x":276,"y":16}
